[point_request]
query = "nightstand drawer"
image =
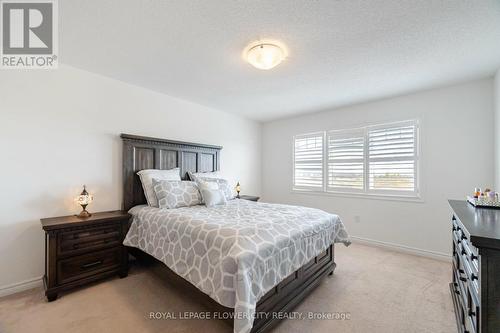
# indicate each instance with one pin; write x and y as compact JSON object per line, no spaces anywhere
{"x":79,"y":241}
{"x":79,"y":267}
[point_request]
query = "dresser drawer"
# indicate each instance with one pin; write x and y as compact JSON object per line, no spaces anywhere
{"x":82,"y":240}
{"x":473,"y":311}
{"x":82,"y":266}
{"x":471,"y":252}
{"x":469,"y":325}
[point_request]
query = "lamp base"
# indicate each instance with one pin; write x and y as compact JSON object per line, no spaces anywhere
{"x":84,"y":214}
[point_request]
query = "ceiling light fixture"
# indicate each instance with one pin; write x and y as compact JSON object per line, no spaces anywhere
{"x":265,"y":55}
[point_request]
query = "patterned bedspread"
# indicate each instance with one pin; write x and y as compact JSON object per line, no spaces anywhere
{"x":237,"y":252}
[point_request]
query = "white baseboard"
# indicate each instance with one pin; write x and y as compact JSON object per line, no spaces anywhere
{"x":403,"y":248}
{"x":21,"y":286}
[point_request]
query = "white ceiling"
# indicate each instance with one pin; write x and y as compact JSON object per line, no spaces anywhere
{"x":340,"y":52}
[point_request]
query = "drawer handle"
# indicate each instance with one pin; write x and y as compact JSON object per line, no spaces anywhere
{"x":461,"y":271}
{"x":457,"y":292}
{"x":473,"y":257}
{"x":462,"y":279}
{"x":473,"y":277}
{"x":463,"y":252}
{"x":92,"y":264}
{"x":464,"y":237}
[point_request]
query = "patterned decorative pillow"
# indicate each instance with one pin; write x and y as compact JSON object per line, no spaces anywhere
{"x":216,"y":176}
{"x":175,"y":194}
{"x":147,"y":176}
{"x":223,"y":184}
{"x":211,"y":194}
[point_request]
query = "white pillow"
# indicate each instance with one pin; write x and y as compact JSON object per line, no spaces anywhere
{"x":147,"y":176}
{"x":211,"y":194}
{"x":213,"y":174}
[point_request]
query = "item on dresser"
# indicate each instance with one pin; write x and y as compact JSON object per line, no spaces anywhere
{"x":249,"y":197}
{"x":484,"y":201}
{"x":476,"y":267}
{"x":211,"y":194}
{"x":176,"y":193}
{"x":84,"y":199}
{"x":79,"y":251}
{"x":146,"y":177}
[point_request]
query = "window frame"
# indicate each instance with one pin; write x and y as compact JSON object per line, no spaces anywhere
{"x":414,"y":195}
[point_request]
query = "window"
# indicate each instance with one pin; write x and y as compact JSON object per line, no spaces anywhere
{"x":380,"y":159}
{"x":392,"y":158}
{"x":346,"y":160}
{"x":308,"y":161}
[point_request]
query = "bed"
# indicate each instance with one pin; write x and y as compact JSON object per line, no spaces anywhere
{"x":251,"y":259}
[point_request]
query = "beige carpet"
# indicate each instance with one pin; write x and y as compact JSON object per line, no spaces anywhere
{"x":382,"y":291}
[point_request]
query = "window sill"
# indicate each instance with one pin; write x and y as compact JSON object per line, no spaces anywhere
{"x":387,"y":197}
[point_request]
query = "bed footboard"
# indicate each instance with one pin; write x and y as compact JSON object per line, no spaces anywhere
{"x":292,"y":290}
{"x":282,"y":298}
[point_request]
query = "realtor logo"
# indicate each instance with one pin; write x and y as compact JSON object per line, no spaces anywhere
{"x":29,"y":34}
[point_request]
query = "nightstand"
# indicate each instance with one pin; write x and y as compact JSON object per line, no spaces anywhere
{"x":83,"y":250}
{"x":249,"y":197}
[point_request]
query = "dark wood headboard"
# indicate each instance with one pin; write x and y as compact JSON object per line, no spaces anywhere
{"x":141,"y":153}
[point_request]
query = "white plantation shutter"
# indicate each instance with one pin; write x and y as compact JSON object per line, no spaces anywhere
{"x":372,"y":160}
{"x":345,"y":164}
{"x":392,"y":158}
{"x":308,"y":161}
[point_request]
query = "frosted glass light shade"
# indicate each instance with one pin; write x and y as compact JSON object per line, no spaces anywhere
{"x":265,"y":56}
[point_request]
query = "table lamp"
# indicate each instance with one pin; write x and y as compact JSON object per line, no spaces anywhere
{"x":84,"y":199}
{"x":238,"y":189}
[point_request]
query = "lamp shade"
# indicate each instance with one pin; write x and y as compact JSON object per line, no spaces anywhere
{"x":265,"y":56}
{"x":84,"y":199}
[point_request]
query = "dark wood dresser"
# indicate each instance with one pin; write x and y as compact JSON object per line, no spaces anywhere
{"x":476,"y":267}
{"x":79,"y":251}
